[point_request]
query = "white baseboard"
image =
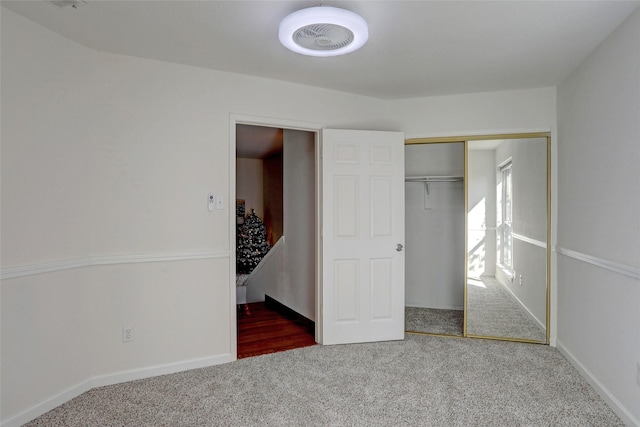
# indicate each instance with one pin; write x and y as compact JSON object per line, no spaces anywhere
{"x":47,"y":405}
{"x":617,"y":407}
{"x":110,"y":379}
{"x":154,"y":371}
{"x":445,"y":307}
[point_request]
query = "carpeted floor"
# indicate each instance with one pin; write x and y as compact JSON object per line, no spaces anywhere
{"x":492,"y":311}
{"x":434,"y":321}
{"x":421,"y":381}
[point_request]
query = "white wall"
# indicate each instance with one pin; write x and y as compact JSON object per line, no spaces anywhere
{"x":598,"y":205}
{"x":46,"y":215}
{"x":476,"y":114}
{"x":434,"y":228}
{"x":296,"y":285}
{"x":249,"y":174}
{"x":122,"y":153}
{"x":46,"y":336}
{"x":273,"y":187}
{"x":268,"y":275}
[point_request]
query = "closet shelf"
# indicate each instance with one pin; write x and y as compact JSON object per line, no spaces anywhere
{"x":434,"y":178}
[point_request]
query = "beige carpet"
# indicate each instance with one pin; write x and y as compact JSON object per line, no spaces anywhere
{"x":421,"y":381}
{"x":434,"y":321}
{"x":492,"y":311}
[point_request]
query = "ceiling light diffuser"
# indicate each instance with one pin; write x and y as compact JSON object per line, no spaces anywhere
{"x":323,"y":31}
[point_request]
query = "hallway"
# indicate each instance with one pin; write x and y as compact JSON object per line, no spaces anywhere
{"x":263,"y":330}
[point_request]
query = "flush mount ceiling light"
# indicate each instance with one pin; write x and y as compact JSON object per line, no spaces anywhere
{"x":323,"y":31}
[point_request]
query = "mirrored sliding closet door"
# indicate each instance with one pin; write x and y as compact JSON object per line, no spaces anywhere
{"x":507,"y":234}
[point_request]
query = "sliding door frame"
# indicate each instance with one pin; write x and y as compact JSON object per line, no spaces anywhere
{"x":482,"y":137}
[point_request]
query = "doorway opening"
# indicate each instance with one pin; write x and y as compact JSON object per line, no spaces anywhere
{"x":275,"y":238}
{"x":435,"y":239}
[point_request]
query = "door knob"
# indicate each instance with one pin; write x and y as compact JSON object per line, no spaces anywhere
{"x":399,"y":247}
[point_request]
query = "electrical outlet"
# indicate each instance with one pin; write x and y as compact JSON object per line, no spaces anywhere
{"x":520,"y":280}
{"x":127,"y":334}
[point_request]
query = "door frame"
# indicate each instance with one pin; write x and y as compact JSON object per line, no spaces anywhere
{"x":315,"y":128}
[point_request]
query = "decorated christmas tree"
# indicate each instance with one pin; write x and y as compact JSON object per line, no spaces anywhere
{"x":251,"y":243}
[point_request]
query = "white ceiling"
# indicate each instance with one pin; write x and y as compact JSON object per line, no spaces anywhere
{"x":415,"y":48}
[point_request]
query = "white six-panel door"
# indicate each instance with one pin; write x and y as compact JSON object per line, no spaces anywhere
{"x":362,"y":236}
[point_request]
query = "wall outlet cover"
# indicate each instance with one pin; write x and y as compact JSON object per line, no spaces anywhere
{"x":127,"y":334}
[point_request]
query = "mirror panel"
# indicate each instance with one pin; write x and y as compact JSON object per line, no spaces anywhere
{"x":507,"y":229}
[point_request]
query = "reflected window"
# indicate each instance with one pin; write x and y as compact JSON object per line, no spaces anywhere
{"x":506,"y":240}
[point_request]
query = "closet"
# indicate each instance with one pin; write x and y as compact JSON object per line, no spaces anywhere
{"x":478,"y":231}
{"x":435,"y":235}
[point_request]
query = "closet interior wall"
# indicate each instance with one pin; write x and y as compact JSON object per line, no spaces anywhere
{"x":435,"y":227}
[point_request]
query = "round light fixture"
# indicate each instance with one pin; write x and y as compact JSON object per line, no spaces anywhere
{"x":323,"y":31}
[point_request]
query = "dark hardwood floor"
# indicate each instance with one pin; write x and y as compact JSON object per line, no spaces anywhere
{"x":263,"y":330}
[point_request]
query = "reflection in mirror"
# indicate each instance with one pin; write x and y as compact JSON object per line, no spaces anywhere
{"x":434,"y":241}
{"x":507,"y":239}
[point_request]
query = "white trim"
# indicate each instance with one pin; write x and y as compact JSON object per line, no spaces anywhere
{"x":158,"y":257}
{"x":240,"y":119}
{"x":617,"y":407}
{"x":505,"y":164}
{"x":444,"y":307}
{"x":67,"y":264}
{"x":626,"y":270}
{"x":277,"y":247}
{"x":231,"y":202}
{"x":110,"y":379}
{"x":526,"y":239}
{"x":318,"y":236}
{"x":165,"y":369}
{"x":45,"y":267}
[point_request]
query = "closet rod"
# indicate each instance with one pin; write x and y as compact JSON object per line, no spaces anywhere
{"x":433,"y":178}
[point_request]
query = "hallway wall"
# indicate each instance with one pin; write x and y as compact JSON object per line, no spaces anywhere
{"x":299,"y":292}
{"x":249,"y":184}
